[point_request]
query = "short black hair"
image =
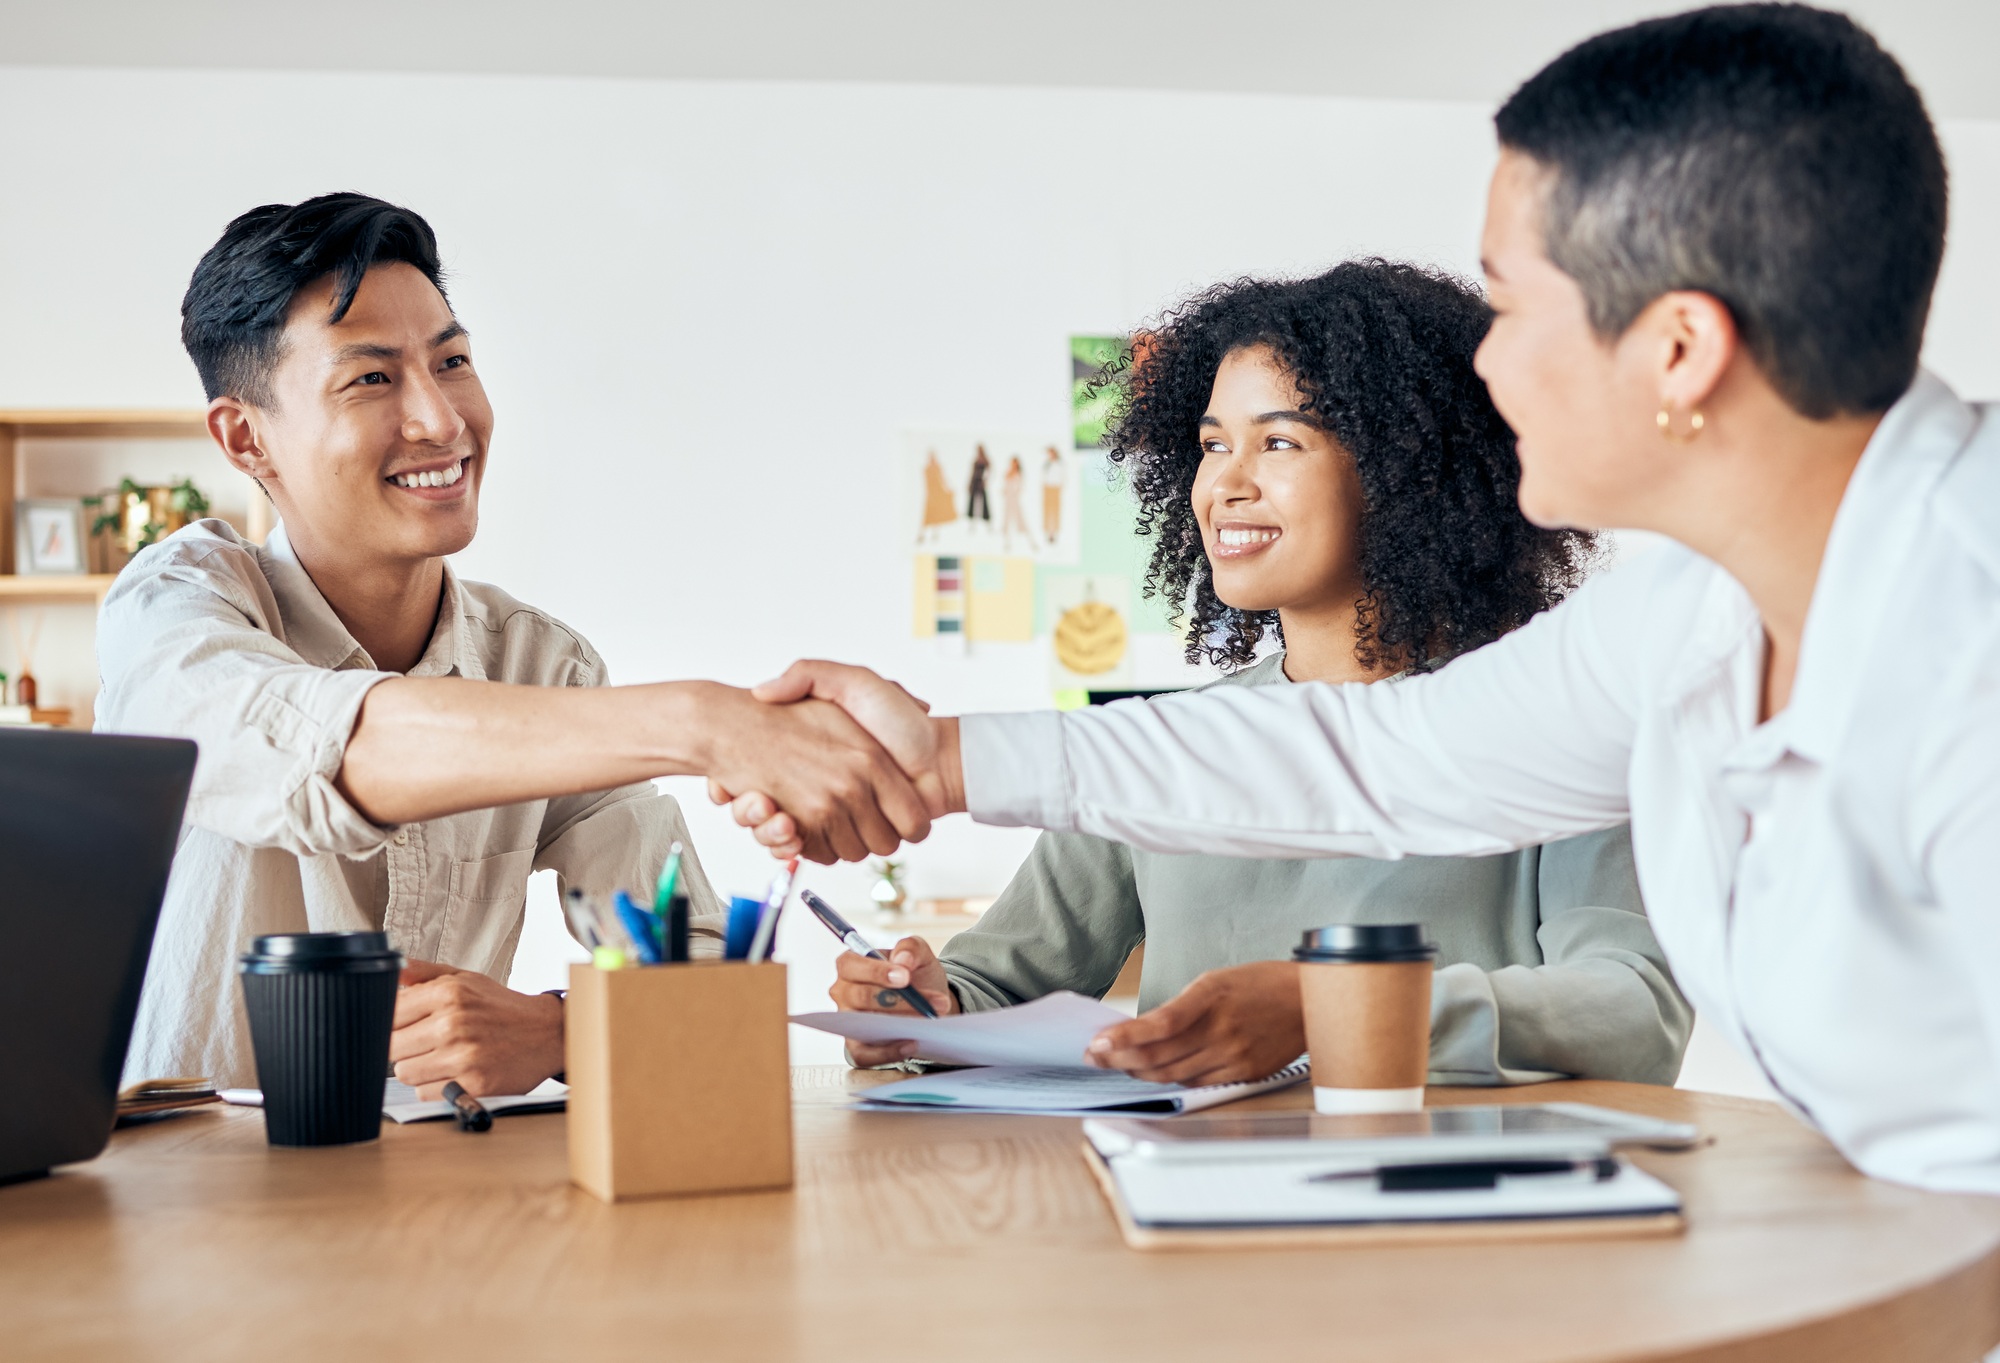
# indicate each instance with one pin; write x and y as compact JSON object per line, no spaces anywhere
{"x":233,"y":315}
{"x":1381,"y":353}
{"x":1773,"y":156}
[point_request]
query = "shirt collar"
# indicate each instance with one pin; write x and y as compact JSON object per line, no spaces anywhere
{"x":1883,"y":517}
{"x":315,"y":633}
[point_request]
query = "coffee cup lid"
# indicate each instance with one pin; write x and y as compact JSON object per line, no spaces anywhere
{"x":1366,"y":942}
{"x":320,"y":950}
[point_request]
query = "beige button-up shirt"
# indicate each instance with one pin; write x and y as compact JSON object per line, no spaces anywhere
{"x":210,"y":637}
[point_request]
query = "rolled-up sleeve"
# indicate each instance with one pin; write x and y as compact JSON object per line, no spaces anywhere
{"x":1603,"y":1003}
{"x":188,"y":646}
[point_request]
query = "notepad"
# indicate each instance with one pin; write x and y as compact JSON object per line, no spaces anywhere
{"x":1249,"y":1195}
{"x":1063,"y":1091}
{"x":158,"y":1097}
{"x":400,"y":1103}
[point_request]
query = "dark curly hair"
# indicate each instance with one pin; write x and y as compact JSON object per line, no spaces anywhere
{"x":1381,"y":353}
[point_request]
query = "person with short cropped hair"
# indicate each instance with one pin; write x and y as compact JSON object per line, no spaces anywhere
{"x":386,"y":746}
{"x":1710,"y":245}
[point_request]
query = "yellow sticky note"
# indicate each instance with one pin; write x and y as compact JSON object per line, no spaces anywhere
{"x":1000,"y":600}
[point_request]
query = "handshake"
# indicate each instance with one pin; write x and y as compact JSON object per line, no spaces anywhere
{"x":833,"y":763}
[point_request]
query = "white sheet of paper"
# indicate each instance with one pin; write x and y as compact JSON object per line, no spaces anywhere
{"x":1052,"y":1030}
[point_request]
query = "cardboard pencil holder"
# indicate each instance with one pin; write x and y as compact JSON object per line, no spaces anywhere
{"x":679,"y":1079}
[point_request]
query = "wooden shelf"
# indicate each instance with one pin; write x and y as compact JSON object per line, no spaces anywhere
{"x":37,"y":587}
{"x":78,"y":423}
{"x":88,"y":423}
{"x":51,"y":433}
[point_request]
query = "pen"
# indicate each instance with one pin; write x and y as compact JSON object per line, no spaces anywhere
{"x":670,"y":875}
{"x":858,"y":944}
{"x":472,"y":1114}
{"x":766,"y":939}
{"x":676,"y":927}
{"x":641,"y":926}
{"x":581,"y":921}
{"x":1443,"y":1175}
{"x":616,"y":950}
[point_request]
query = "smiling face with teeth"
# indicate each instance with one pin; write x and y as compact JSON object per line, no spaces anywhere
{"x":1279,"y":503}
{"x":374,"y":444}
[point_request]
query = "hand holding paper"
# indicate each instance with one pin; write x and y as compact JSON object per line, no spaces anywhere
{"x":864,"y":984}
{"x":1053,"y":1030}
{"x":1240,"y":1022}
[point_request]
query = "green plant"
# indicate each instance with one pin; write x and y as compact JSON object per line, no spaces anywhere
{"x":188,"y":500}
{"x":183,"y":497}
{"x":104,"y":520}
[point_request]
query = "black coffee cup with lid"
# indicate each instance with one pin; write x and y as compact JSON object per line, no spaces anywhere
{"x":321,"y":1005}
{"x":1366,"y":942}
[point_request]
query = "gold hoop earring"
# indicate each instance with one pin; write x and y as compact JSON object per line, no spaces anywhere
{"x":1665,"y":421}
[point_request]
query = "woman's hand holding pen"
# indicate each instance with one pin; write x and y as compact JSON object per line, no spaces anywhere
{"x":925,"y":748}
{"x":1238,"y":1023}
{"x":864,"y":985}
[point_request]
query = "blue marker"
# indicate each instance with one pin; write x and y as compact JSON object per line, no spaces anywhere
{"x":743,"y":915}
{"x":642,"y":927}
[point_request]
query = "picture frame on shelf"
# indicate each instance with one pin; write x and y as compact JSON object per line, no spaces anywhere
{"x":49,"y":538}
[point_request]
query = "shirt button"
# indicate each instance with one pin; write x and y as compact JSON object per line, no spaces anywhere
{"x":402,"y":836}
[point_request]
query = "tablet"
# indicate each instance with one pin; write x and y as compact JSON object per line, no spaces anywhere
{"x":1510,"y":1130}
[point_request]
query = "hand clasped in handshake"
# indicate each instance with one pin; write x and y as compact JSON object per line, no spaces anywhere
{"x":844,"y":763}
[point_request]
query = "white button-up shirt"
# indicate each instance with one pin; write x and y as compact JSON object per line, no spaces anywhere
{"x":1826,"y":885}
{"x":210,"y":637}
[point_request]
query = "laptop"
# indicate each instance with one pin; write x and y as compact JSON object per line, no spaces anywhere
{"x":88,"y":828}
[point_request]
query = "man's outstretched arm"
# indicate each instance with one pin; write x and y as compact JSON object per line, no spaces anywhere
{"x":426,"y":747}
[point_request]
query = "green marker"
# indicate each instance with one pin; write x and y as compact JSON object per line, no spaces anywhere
{"x":669,"y":875}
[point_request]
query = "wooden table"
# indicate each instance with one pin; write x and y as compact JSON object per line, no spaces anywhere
{"x":946,"y":1237}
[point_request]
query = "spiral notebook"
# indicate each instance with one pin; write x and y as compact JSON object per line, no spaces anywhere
{"x":1063,"y":1091}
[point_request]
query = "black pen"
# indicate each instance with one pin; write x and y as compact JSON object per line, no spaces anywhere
{"x":472,"y":1114}
{"x":858,"y":944}
{"x":1445,"y":1175}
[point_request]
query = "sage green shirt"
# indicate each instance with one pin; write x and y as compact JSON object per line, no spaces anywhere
{"x":1547,"y":965}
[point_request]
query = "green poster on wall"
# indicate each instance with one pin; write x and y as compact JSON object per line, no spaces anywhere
{"x":1089,"y":410}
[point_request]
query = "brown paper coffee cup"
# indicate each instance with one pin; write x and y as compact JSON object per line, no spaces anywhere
{"x":1367,"y":995}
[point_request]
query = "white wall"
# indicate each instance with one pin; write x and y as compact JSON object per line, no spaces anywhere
{"x":704,"y":310}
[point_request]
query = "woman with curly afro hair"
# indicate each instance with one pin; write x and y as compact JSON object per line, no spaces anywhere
{"x":1317,"y":464}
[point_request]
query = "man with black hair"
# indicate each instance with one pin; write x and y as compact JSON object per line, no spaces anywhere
{"x":384,"y":745}
{"x":1710,"y":246}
